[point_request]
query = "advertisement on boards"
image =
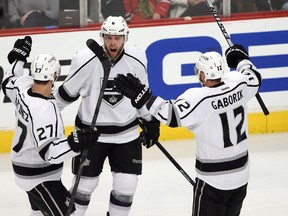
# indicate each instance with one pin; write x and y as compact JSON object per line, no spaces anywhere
{"x":171,"y":52}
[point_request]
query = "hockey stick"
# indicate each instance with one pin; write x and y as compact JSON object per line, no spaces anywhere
{"x":228,"y":39}
{"x":182,"y":171}
{"x":98,"y":51}
{"x":1,"y":77}
{"x":166,"y":153}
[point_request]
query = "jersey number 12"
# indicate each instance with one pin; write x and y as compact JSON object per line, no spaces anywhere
{"x":226,"y":127}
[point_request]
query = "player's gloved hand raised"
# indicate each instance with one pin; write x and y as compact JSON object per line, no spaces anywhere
{"x":235,"y":54}
{"x":131,"y":87}
{"x":83,"y":139}
{"x":21,"y":50}
{"x":150,"y":133}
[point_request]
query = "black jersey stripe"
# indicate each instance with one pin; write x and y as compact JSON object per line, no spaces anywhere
{"x":33,"y":171}
{"x":17,"y":147}
{"x":56,"y":123}
{"x":135,"y":59}
{"x":173,"y":122}
{"x":44,"y":150}
{"x":110,"y":129}
{"x":61,"y":90}
{"x":222,"y":166}
{"x":80,"y":68}
{"x":29,"y":112}
{"x":4,"y":84}
{"x":65,"y":96}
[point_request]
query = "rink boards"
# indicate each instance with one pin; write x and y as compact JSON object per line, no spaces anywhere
{"x":171,"y":50}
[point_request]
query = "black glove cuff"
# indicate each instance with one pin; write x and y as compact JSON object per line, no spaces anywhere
{"x":235,"y":54}
{"x":21,"y":50}
{"x":74,"y":142}
{"x":12,"y":56}
{"x":142,"y":98}
{"x":151,"y":128}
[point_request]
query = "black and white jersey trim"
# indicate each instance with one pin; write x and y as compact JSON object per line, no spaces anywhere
{"x":27,"y":172}
{"x":198,"y":197}
{"x":44,"y":150}
{"x":212,"y":96}
{"x":110,"y":129}
{"x":211,"y":167}
{"x":135,"y":59}
{"x":65,"y":96}
{"x":4,"y":84}
{"x":174,"y":123}
{"x":80,"y":68}
{"x":29,"y":113}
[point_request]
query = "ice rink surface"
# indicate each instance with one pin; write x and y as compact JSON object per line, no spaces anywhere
{"x":163,"y":191}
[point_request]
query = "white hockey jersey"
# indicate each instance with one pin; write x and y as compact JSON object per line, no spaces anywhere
{"x":117,"y":121}
{"x":39,"y":146}
{"x":218,"y":118}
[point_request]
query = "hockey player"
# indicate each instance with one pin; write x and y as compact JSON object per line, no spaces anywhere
{"x":39,"y":145}
{"x":117,"y":121}
{"x":217,"y":115}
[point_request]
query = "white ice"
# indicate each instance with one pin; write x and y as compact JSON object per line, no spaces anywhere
{"x":163,"y":191}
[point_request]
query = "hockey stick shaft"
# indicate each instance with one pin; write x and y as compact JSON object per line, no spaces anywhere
{"x":98,"y":51}
{"x":228,"y":40}
{"x":181,"y":170}
{"x":219,"y":23}
{"x":166,"y":153}
{"x":1,"y":77}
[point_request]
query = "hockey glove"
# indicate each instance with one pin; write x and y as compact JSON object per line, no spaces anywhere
{"x":131,"y":87}
{"x":83,"y":139}
{"x":235,"y":54}
{"x":150,"y":133}
{"x":21,"y":50}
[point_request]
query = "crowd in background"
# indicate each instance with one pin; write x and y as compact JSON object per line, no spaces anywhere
{"x":32,"y":13}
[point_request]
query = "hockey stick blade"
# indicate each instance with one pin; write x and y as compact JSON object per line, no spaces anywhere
{"x":99,"y":52}
{"x":96,"y":49}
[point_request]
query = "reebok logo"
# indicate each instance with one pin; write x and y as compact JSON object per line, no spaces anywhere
{"x":136,"y":161}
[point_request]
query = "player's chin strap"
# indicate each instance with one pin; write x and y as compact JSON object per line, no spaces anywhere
{"x":166,"y":153}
